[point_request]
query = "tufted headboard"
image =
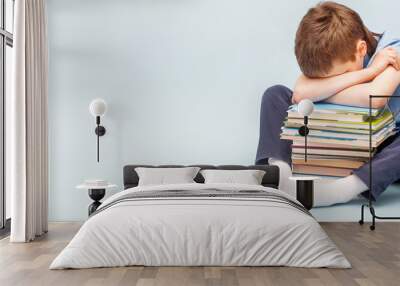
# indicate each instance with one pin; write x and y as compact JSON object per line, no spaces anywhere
{"x":270,"y":179}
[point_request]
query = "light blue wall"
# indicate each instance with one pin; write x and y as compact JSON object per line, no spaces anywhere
{"x":183,"y":80}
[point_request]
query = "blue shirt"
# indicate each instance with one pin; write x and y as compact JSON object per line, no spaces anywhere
{"x":387,"y":40}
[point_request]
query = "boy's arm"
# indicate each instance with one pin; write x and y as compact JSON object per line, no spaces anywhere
{"x":358,"y":95}
{"x":317,"y":89}
{"x":323,"y":88}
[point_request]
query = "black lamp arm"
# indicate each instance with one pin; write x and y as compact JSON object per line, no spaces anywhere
{"x":100,"y":131}
{"x":303,"y":131}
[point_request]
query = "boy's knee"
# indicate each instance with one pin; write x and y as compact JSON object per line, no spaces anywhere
{"x":276,"y":92}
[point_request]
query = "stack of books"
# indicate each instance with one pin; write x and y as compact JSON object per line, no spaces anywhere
{"x":338,"y":141}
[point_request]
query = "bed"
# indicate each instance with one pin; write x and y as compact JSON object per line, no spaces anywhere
{"x":199,"y":224}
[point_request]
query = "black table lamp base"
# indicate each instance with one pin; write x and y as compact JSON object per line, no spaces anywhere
{"x":96,"y":195}
{"x":305,"y":193}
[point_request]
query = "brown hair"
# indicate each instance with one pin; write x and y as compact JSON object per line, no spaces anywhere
{"x":329,"y":32}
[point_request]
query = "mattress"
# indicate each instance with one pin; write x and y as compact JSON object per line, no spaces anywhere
{"x":201,"y":225}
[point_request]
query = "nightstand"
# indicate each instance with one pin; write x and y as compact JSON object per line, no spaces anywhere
{"x":96,"y":193}
{"x":305,"y":190}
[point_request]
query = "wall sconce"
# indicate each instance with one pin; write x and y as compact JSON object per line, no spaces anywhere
{"x":98,"y":108}
{"x":305,"y":108}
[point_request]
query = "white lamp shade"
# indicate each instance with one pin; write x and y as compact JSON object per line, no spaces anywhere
{"x":306,"y":107}
{"x":98,"y":107}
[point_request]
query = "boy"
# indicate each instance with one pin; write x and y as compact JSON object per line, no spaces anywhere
{"x":342,"y":62}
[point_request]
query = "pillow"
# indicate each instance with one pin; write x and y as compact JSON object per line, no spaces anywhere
{"x":248,"y":177}
{"x":166,"y":176}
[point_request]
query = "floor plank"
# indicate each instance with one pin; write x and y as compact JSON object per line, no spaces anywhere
{"x":375,"y":257}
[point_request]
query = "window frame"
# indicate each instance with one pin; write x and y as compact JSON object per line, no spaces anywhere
{"x":6,"y":39}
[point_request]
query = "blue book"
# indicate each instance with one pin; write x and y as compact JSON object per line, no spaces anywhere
{"x":329,"y":108}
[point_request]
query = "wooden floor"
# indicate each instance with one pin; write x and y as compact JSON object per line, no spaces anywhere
{"x":375,"y":257}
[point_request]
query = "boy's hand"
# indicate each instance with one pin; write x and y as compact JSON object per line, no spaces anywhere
{"x":384,"y":58}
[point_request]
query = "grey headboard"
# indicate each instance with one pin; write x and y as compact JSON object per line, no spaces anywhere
{"x":271,"y":177}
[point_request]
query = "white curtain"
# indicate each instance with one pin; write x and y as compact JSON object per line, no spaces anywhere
{"x":28,"y":160}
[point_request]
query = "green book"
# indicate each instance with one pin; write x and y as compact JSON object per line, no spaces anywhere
{"x":376,"y":123}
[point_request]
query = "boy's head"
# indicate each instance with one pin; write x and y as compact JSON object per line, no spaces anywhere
{"x":331,"y":40}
